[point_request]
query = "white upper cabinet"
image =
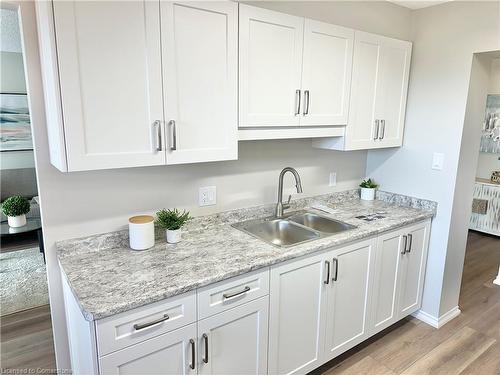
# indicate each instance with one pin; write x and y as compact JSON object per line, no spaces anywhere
{"x":293,"y":71}
{"x":379,"y":86}
{"x":110,"y":83}
{"x":200,"y":60}
{"x":326,"y":73}
{"x":360,"y":132}
{"x":270,"y":67}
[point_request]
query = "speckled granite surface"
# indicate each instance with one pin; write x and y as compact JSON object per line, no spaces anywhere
{"x":108,"y":278}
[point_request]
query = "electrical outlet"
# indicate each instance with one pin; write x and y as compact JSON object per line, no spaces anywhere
{"x":333,"y":179}
{"x":207,"y":196}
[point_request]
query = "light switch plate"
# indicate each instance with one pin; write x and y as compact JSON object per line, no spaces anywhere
{"x":207,"y":196}
{"x":437,"y":161}
{"x":333,"y":179}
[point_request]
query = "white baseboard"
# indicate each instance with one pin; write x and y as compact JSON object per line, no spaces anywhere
{"x":497,"y":280}
{"x":437,"y":322}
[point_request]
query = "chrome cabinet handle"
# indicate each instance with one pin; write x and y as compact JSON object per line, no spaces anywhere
{"x":232,"y":295}
{"x":205,"y":357}
{"x":377,"y":124}
{"x":410,"y":241}
{"x":157,"y":125}
{"x":336,"y":269}
{"x":138,"y":327}
{"x":306,"y":102}
{"x":405,"y":238}
{"x":193,"y":355}
{"x":327,"y":280}
{"x":297,"y":102}
{"x":173,"y":147}
{"x":382,"y":132}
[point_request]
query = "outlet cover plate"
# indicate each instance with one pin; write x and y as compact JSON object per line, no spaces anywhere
{"x":207,"y":196}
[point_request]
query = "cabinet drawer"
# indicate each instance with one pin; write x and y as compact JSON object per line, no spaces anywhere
{"x":131,"y":327}
{"x":233,"y":292}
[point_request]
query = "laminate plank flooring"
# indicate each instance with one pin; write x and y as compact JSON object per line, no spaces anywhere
{"x":26,"y":341}
{"x":467,"y":345}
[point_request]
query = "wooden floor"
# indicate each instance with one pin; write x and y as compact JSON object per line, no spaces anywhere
{"x":468,"y":345}
{"x":26,"y":340}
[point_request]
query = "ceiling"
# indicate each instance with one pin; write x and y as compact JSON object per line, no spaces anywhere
{"x":418,"y":4}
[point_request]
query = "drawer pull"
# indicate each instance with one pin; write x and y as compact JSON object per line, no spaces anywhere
{"x":410,"y":241}
{"x":232,"y":295}
{"x":205,"y":357}
{"x":193,"y":355}
{"x":405,"y":239}
{"x":138,"y":327}
{"x":336,"y":269}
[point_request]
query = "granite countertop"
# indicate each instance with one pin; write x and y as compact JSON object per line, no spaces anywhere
{"x":108,"y":278}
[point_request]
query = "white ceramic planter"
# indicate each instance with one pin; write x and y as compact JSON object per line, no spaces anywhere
{"x":368,"y":194}
{"x":173,"y":236}
{"x":141,"y":232}
{"x":16,"y":221}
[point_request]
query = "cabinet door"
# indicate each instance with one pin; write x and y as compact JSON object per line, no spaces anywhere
{"x":270,"y":67}
{"x":361,"y":128}
{"x":200,"y":70}
{"x":386,"y":280}
{"x":110,"y":80}
{"x":326,"y":73}
{"x":235,"y":341}
{"x":296,"y":319}
{"x":168,"y":354}
{"x":394,"y":71}
{"x":413,"y":269}
{"x":348,"y":297}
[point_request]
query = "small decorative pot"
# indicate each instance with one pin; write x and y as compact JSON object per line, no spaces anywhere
{"x":368,"y":194}
{"x":16,"y":221}
{"x":173,"y":236}
{"x":141,"y":231}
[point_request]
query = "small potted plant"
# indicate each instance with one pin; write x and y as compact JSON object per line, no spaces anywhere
{"x":16,"y":208}
{"x":368,"y":189}
{"x":172,"y":221}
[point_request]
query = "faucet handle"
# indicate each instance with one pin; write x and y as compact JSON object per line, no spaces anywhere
{"x":287,"y":204}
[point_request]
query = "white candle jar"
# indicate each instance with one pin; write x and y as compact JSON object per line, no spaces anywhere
{"x":141,"y":230}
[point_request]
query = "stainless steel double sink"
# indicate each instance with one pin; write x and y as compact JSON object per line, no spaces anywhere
{"x":295,"y":228}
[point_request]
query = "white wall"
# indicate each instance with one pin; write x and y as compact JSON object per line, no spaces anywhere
{"x":445,"y":38}
{"x":78,"y":204}
{"x":490,"y":162}
{"x":494,"y":86}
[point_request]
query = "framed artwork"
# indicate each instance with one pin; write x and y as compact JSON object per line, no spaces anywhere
{"x":15,"y":129}
{"x":490,"y":137}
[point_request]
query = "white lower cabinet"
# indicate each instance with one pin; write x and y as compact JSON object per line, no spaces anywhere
{"x":348,"y":297}
{"x":385,"y":283}
{"x":168,"y":354}
{"x":413,"y":263}
{"x":289,"y":319}
{"x":399,"y":274}
{"x":296,"y":326}
{"x":235,"y":341}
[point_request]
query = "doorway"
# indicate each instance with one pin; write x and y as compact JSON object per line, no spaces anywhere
{"x":24,"y":301}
